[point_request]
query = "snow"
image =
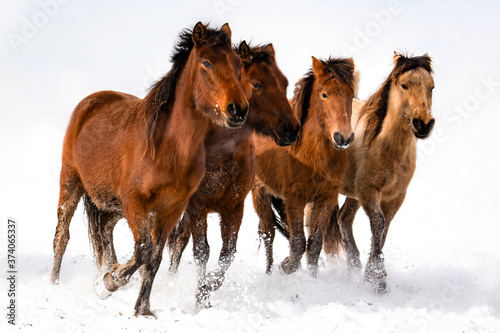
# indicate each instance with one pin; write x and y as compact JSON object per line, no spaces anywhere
{"x":442,"y":253}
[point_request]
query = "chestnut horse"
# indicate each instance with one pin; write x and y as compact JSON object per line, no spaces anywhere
{"x":230,"y":159}
{"x":383,"y":159}
{"x":311,"y":170}
{"x":142,"y":159}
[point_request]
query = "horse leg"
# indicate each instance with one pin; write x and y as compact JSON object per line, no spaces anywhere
{"x":390,"y":208}
{"x":71,"y":190}
{"x":346,"y":219}
{"x":137,"y":216}
{"x":201,"y":252}
{"x":295,"y":212}
{"x":108,"y":223}
{"x":375,"y":269}
{"x":230,"y":227}
{"x":320,"y":213}
{"x":177,"y":242}
{"x":263,"y":208}
{"x":163,"y":225}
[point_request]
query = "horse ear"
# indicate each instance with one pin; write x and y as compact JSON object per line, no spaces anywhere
{"x":396,"y":57}
{"x":270,"y":49}
{"x":318,"y":68}
{"x":244,"y":52}
{"x":198,"y":33}
{"x":225,"y":29}
{"x":351,"y":62}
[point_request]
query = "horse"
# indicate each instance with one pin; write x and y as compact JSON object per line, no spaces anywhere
{"x":230,"y":160}
{"x":382,"y":161}
{"x":310,"y":170}
{"x":143,"y":159}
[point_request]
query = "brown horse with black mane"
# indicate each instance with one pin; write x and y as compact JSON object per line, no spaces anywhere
{"x":230,"y":158}
{"x":311,"y":170}
{"x":383,"y":159}
{"x":143,"y":159}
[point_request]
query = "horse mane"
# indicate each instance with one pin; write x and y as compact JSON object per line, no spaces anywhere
{"x":162,"y":93}
{"x":340,"y":68}
{"x":375,"y":108}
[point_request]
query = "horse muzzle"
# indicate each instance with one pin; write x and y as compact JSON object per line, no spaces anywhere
{"x":340,"y":142}
{"x":421,"y":129}
{"x":286,"y":135}
{"x":237,"y":115}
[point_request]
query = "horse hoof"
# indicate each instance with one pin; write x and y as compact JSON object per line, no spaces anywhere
{"x":145,"y":313}
{"x":100,"y":289}
{"x":288,"y":266}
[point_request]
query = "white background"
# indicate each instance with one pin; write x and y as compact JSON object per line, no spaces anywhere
{"x":442,"y":253}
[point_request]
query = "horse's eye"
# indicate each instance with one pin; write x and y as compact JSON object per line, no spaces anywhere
{"x":324,"y":95}
{"x":257,"y":85}
{"x":432,"y":88}
{"x":404,"y":86}
{"x":207,"y":64}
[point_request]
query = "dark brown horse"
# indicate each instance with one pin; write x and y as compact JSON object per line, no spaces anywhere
{"x":311,"y":170}
{"x":383,"y":159}
{"x":230,"y":158}
{"x":142,"y":159}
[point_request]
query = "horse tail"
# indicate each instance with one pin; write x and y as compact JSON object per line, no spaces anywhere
{"x":332,"y":236}
{"x":95,"y":234}
{"x":279,"y":216}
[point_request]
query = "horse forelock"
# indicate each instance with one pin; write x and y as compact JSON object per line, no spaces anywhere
{"x":342,"y":70}
{"x":258,"y":53}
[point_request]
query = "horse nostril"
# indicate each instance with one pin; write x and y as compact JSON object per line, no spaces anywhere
{"x":285,"y":129}
{"x":339,"y":139}
{"x":350,"y":139}
{"x":418,"y":124}
{"x":233,"y":109}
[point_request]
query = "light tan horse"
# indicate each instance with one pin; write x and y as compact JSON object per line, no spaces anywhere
{"x":382,"y":160}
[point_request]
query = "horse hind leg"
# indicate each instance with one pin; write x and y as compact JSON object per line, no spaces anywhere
{"x":230,"y":227}
{"x":108,"y":223}
{"x":177,"y":242}
{"x":71,"y":190}
{"x":263,"y":207}
{"x":346,"y":219}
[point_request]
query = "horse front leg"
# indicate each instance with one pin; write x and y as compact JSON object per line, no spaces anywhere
{"x":295,"y":212}
{"x":137,"y":216}
{"x":162,"y":226}
{"x":320,"y":212}
{"x":230,"y":221}
{"x":375,"y":270}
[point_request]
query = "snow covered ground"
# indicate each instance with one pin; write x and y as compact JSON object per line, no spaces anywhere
{"x":442,"y":253}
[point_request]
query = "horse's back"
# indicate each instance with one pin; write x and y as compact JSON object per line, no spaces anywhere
{"x":98,"y":136}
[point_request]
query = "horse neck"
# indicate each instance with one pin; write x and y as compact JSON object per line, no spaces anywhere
{"x":184,"y":129}
{"x":396,"y":135}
